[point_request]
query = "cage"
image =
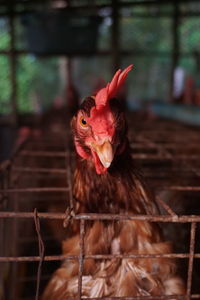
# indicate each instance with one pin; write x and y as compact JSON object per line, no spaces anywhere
{"x":36,"y":198}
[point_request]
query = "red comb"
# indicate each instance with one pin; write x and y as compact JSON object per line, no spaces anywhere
{"x":112,"y":87}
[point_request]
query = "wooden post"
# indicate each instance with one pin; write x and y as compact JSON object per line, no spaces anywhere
{"x":13,"y":67}
{"x":115,"y":35}
{"x":175,"y":46}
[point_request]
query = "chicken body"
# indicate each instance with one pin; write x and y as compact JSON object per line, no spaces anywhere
{"x":105,"y":181}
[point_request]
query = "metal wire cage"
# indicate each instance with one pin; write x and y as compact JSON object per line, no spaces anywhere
{"x":36,"y":198}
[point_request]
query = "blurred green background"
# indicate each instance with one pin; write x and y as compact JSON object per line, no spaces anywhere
{"x":145,"y":32}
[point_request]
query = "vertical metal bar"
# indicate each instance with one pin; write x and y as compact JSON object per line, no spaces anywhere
{"x":13,"y":66}
{"x":68,"y":159}
{"x":81,"y":258}
{"x":41,"y":253}
{"x":70,"y":210}
{"x":191,"y":258}
{"x":115,"y":35}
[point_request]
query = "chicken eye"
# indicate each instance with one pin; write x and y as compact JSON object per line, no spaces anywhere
{"x":83,"y":122}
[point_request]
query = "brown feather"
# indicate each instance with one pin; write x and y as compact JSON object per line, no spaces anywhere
{"x":119,"y":191}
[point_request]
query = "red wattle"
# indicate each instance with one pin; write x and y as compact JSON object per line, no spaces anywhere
{"x":81,"y":151}
{"x":100,"y":169}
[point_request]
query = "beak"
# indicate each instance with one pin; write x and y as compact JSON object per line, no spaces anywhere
{"x":105,"y":153}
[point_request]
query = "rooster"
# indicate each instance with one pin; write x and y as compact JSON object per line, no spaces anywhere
{"x":105,"y":181}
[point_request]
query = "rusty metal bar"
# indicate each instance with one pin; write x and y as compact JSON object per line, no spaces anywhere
{"x":70,"y":210}
{"x":136,"y":298}
{"x":81,"y":258}
{"x":193,"y":296}
{"x":148,"y":173}
{"x":182,"y":188}
{"x":96,"y":256}
{"x":39,"y":170}
{"x":127,"y":298}
{"x":41,"y":253}
{"x":142,"y":156}
{"x":137,"y":144}
{"x":169,"y":145}
{"x":163,"y":157}
{"x":47,"y":200}
{"x":43,"y":153}
{"x":191,"y":258}
{"x":112,"y":217}
{"x":196,"y":296}
{"x":69,"y":183}
{"x":166,"y":207}
{"x":35,"y":190}
{"x":64,"y":189}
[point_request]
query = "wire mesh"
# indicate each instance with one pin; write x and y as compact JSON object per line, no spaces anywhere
{"x":36,"y":198}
